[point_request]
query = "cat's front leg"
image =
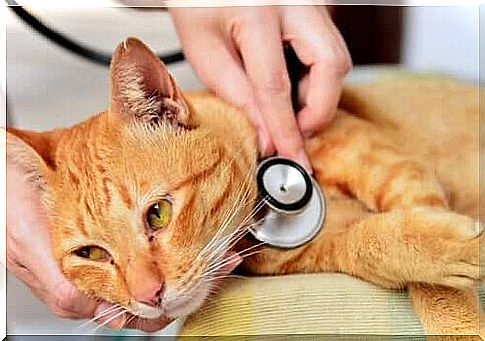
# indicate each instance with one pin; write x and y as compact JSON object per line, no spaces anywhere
{"x":434,"y":255}
{"x":391,"y":249}
{"x":400,"y":247}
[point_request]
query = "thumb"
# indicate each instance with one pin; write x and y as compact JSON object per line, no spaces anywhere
{"x":68,"y":298}
{"x":113,"y":316}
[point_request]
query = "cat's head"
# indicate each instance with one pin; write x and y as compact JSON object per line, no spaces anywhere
{"x":143,"y":198}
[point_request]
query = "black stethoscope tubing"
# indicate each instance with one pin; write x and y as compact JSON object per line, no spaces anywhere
{"x":60,"y":39}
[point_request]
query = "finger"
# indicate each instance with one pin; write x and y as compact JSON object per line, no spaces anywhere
{"x":34,"y":257}
{"x":219,"y":67}
{"x":54,"y":289}
{"x":24,"y":275}
{"x":265,"y":65}
{"x":68,"y":298}
{"x":320,"y":46}
{"x":323,"y":95}
{"x":30,"y":280}
{"x":42,"y":273}
{"x":149,"y":326}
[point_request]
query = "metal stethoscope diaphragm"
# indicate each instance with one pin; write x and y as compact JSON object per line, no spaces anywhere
{"x":294,"y":209}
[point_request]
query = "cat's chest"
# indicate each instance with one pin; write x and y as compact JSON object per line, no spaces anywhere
{"x":342,"y":210}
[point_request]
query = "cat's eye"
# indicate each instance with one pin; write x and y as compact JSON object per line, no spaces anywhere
{"x":94,"y":253}
{"x":158,"y":215}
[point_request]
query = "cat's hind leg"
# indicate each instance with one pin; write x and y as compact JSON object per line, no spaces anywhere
{"x":445,"y":310}
{"x":354,"y":156}
{"x":415,"y":241}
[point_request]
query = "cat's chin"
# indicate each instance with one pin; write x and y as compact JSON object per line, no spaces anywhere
{"x":188,"y":304}
{"x":144,"y":311}
{"x":186,"y":307}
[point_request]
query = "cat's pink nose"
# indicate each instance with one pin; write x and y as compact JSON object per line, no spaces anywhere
{"x":150,"y":294}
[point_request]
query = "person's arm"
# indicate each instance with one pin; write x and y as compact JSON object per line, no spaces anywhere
{"x":238,"y":54}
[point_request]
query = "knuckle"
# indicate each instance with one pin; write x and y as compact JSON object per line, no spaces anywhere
{"x":346,"y":63}
{"x":316,"y":123}
{"x":241,"y":26}
{"x":15,"y":235}
{"x":340,"y":62}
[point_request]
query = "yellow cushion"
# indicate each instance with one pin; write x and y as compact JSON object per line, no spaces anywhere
{"x":304,"y":304}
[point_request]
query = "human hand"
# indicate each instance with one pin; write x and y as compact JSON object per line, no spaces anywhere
{"x":238,"y":53}
{"x":30,"y":259}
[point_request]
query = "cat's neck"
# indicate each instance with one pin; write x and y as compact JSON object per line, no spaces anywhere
{"x":227,"y":124}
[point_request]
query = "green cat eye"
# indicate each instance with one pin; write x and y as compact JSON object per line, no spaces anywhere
{"x":93,"y":253}
{"x":158,"y":215}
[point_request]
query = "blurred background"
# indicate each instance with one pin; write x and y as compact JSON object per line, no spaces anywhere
{"x":49,"y":87}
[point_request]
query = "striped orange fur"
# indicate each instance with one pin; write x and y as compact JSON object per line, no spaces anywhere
{"x":388,"y":179}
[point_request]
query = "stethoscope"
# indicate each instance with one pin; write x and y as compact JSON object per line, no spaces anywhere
{"x":294,"y":205}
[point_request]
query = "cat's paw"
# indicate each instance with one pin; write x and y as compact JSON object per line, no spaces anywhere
{"x":458,"y":258}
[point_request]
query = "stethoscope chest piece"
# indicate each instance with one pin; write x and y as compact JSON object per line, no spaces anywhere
{"x":295,"y":205}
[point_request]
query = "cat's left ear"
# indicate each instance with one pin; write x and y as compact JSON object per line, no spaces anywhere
{"x":143,"y":88}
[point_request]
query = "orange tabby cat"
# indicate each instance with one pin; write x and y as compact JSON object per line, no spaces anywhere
{"x":149,"y":200}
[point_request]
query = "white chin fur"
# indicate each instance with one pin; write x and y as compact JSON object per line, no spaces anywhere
{"x":177,"y":307}
{"x":184,"y":307}
{"x":144,"y":310}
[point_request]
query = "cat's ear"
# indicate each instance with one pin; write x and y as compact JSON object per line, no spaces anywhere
{"x":28,"y":154}
{"x":143,"y":88}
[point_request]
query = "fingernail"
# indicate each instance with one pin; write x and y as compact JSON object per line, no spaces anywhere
{"x":305,"y":161}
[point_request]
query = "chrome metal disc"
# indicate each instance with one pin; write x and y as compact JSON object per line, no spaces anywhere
{"x":284,"y":185}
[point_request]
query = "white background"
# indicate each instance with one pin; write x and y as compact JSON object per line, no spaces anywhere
{"x":48,"y":87}
{"x":442,"y":39}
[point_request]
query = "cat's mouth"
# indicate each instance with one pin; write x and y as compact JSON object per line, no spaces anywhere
{"x":144,"y":310}
{"x":174,"y":307}
{"x":182,"y":304}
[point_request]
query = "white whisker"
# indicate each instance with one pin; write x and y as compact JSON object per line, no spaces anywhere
{"x":247,"y":228}
{"x":228,"y":260}
{"x":109,"y":320}
{"x":251,"y":214}
{"x":214,"y":278}
{"x":219,"y":266}
{"x":233,"y":212}
{"x":127,"y":322}
{"x":236,"y":235}
{"x":218,"y":245}
{"x":228,"y":217}
{"x":101,"y":314}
